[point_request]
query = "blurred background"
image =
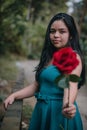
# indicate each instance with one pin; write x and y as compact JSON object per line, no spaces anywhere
{"x":23,"y":25}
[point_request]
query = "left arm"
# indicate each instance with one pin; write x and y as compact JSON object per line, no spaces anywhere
{"x":73,"y":90}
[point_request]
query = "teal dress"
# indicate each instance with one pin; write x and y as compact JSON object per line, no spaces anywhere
{"x":47,"y":114}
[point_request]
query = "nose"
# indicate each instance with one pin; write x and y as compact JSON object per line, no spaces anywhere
{"x":57,"y":34}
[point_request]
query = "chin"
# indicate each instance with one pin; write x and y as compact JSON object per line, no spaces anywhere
{"x":61,"y":46}
{"x":58,"y":47}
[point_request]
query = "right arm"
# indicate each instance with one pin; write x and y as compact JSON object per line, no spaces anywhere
{"x":28,"y":91}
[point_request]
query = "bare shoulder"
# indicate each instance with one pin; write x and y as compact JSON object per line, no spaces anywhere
{"x":78,"y":69}
{"x":79,"y":58}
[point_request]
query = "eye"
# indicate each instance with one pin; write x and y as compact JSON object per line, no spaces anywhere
{"x":62,"y":32}
{"x":52,"y":31}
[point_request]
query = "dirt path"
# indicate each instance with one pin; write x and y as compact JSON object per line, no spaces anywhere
{"x":29,"y":76}
{"x":28,"y":67}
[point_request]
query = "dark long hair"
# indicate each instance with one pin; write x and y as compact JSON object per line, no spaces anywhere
{"x":49,"y":49}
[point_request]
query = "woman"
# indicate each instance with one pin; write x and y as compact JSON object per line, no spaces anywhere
{"x":51,"y":110}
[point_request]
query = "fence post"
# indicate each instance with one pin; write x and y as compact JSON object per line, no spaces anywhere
{"x":13,"y":116}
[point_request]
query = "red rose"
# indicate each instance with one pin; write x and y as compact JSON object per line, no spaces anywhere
{"x":65,"y":59}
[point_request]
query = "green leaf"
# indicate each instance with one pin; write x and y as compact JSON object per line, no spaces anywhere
{"x":62,"y":81}
{"x":58,"y":78}
{"x":74,"y":78}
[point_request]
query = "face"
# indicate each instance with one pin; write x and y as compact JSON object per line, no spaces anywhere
{"x":59,"y":34}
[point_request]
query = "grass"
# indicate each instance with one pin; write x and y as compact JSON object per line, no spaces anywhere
{"x":26,"y":116}
{"x":8,"y":69}
{"x":8,"y":74}
{"x":27,"y":112}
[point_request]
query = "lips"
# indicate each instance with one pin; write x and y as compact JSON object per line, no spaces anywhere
{"x":56,"y":41}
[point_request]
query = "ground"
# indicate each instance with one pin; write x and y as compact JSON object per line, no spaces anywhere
{"x":29,"y":67}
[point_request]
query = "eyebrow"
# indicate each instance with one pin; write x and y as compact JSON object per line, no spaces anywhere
{"x":58,"y":28}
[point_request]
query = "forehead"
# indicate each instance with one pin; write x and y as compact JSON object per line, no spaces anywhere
{"x":58,"y":24}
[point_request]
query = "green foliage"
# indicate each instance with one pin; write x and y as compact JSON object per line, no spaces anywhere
{"x":23,"y":24}
{"x":84,"y":47}
{"x":34,"y":37}
{"x":13,"y":25}
{"x":14,"y":16}
{"x":26,"y":114}
{"x":8,"y":69}
{"x":64,"y":79}
{"x":80,"y":14}
{"x":74,"y":78}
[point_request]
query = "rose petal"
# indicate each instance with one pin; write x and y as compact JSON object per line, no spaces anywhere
{"x":65,"y":60}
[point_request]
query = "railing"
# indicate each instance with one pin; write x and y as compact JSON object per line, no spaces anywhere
{"x":13,"y":116}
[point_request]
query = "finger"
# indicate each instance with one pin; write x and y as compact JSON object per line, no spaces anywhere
{"x":71,"y":112}
{"x":10,"y":102}
{"x":70,"y":108}
{"x":5,"y":105}
{"x":69,"y":115}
